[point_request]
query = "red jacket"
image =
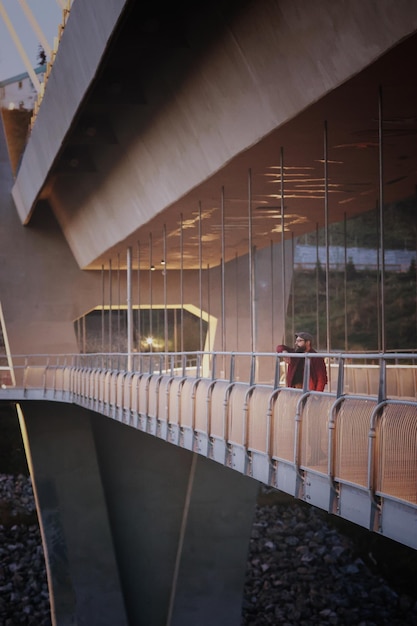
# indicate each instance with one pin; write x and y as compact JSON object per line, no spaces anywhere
{"x":318,"y":372}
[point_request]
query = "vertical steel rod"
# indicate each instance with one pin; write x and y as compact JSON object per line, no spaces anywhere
{"x":378,"y":274}
{"x":150,"y":336}
{"x":271,"y":263}
{"x":283,"y":272}
{"x":77,"y":332}
{"x":293,"y":288}
{"x":200,"y":273}
{"x":118,"y":303}
{"x":110,"y":308}
{"x":129,"y":308}
{"x":84,"y":331}
{"x":102,"y":309}
{"x":138,"y":324}
{"x":222,"y":277}
{"x":175,"y":329}
{"x":208,"y":305}
{"x":182,"y":283}
{"x":251,"y":268}
{"x":317,"y":286}
{"x":345,"y":280}
{"x":381,"y":217}
{"x":166,"y":329}
{"x":237,"y":300}
{"x":326,"y":234}
{"x":415,"y":280}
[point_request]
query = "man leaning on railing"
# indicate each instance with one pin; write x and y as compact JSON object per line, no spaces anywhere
{"x":295,"y":371}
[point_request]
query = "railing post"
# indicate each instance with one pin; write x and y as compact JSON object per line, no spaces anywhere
{"x":252,"y":370}
{"x":232,"y":367}
{"x":277,"y":372}
{"x":306,"y":379}
{"x":213,"y":367}
{"x":340,"y":377}
{"x":382,"y":385}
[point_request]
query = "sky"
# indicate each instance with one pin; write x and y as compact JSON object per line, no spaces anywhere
{"x":48,"y":15}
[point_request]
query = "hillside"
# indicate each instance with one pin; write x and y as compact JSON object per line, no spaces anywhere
{"x":358,"y":292}
{"x":362,"y":231}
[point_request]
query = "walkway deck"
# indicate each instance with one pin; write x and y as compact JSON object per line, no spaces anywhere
{"x":353,"y":455}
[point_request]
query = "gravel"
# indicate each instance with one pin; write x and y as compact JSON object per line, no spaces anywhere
{"x":302,"y":570}
{"x":24,"y":597}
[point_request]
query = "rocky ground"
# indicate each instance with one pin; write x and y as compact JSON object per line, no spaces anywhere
{"x":302,"y":569}
{"x":24,"y":597}
{"x":307,"y":569}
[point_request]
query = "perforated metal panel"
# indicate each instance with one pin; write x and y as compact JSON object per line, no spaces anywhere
{"x":174,"y":401}
{"x":202,"y":401}
{"x":136,"y":396}
{"x":218,"y":399}
{"x":153,"y":395}
{"x":187,"y":404}
{"x":107,"y":387}
{"x":352,"y":425}
{"x":396,"y":461}
{"x":283,"y":424}
{"x":163,"y":398}
{"x":259,"y":419}
{"x":315,"y":413}
{"x":143,"y":393}
{"x":237,"y":414}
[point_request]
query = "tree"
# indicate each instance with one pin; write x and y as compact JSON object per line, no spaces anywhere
{"x":41,"y":56}
{"x":350,"y":269}
{"x":412,"y":269}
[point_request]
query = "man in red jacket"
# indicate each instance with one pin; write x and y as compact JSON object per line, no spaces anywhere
{"x":295,"y":373}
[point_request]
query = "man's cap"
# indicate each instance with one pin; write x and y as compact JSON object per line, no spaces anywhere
{"x":304,"y":335}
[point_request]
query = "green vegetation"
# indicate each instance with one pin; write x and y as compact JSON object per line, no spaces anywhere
{"x":400,"y":229}
{"x":360,"y":292}
{"x":355,"y":308}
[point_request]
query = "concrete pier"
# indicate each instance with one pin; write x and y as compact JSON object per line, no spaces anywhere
{"x":136,"y":530}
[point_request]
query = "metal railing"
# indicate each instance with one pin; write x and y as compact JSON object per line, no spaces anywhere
{"x":382,"y":375}
{"x":351,"y":452}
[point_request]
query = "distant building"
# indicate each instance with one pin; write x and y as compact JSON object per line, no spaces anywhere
{"x":305,"y":257}
{"x":18,"y":91}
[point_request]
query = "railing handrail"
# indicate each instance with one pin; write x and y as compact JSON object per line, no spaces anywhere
{"x":325,"y":354}
{"x":389,"y":369}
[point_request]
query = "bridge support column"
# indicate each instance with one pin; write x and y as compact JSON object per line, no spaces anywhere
{"x":81,"y":563}
{"x":136,"y":530}
{"x":213,"y":562}
{"x":181,"y":526}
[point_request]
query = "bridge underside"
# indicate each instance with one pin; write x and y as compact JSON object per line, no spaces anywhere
{"x":136,"y":531}
{"x":183,"y":104}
